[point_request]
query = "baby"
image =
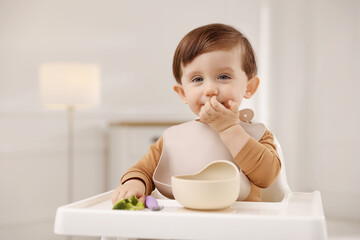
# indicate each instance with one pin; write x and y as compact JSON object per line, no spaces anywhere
{"x":215,"y":69}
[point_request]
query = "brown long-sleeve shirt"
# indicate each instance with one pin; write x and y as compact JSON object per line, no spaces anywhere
{"x":258,"y":160}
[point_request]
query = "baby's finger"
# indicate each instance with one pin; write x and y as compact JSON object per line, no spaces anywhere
{"x":208,"y":108}
{"x":129,"y":194}
{"x":234,"y":107}
{"x":205,"y":113}
{"x":217,"y":106}
{"x":142,"y":198}
{"x":114,"y":197}
{"x":203,"y":116}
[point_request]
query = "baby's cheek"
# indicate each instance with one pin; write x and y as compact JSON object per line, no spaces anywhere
{"x":195,"y":109}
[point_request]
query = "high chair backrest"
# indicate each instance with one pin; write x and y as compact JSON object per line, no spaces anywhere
{"x":277,"y":191}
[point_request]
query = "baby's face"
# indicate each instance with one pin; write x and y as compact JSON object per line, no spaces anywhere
{"x":217,"y":73}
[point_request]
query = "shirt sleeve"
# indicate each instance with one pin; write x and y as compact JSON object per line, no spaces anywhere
{"x":259,"y":160}
{"x":145,"y":167}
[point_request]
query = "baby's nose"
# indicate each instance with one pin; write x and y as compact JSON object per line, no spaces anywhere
{"x":211,"y":89}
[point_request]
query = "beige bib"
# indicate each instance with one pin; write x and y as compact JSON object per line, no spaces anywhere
{"x":189,"y":147}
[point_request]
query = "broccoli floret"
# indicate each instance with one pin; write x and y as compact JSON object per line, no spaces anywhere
{"x":126,"y":204}
{"x":134,"y":200}
{"x":138,"y":206}
{"x":120,"y":204}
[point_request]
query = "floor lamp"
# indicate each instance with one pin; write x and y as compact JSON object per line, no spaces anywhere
{"x":69,"y":86}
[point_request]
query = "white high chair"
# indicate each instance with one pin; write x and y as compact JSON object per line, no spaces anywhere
{"x":300,"y":213}
{"x":277,"y":191}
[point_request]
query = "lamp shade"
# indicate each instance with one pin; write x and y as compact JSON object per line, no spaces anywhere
{"x":69,"y":84}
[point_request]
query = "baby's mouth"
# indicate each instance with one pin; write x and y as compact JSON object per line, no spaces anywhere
{"x":222,"y":103}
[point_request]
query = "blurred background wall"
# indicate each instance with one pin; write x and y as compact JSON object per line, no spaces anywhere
{"x":308,"y":54}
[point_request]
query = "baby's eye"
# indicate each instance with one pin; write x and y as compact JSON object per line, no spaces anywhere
{"x":197,"y":79}
{"x":224,"y":77}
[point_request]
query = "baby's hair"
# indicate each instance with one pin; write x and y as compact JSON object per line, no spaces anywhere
{"x":210,"y":38}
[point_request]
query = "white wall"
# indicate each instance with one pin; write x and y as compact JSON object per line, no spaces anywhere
{"x":314,"y":75}
{"x":334,"y":109}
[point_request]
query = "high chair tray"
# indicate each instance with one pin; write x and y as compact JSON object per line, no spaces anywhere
{"x":298,"y":216}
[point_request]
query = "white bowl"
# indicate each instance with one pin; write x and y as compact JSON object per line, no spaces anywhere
{"x":216,"y":186}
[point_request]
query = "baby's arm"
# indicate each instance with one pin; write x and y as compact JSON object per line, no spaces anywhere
{"x":258,"y":160}
{"x":132,"y":187}
{"x":225,"y":121}
{"x":139,"y":176}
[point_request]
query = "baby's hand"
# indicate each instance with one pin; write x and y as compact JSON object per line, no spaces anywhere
{"x":217,"y":116}
{"x":132,"y":187}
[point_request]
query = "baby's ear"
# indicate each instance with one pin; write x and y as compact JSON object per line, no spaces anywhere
{"x":252,"y":86}
{"x":178,"y":88}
